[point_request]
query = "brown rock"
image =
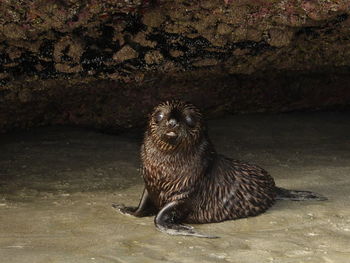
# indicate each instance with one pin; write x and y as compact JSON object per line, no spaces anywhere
{"x":14,"y":31}
{"x":67,"y":68}
{"x":68,"y":46}
{"x":280,"y":38}
{"x":200,"y":27}
{"x":239,"y":15}
{"x":176,"y":53}
{"x":154,"y":57}
{"x":239,"y":34}
{"x":208,"y":4}
{"x":141,"y":39}
{"x":254,"y":35}
{"x":14,"y":53}
{"x":177,"y":28}
{"x":240,"y":52}
{"x":153,"y":18}
{"x":125,"y":53}
{"x":224,"y":29}
{"x":205,"y":62}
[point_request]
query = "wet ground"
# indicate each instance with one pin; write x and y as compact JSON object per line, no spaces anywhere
{"x":57,"y":185}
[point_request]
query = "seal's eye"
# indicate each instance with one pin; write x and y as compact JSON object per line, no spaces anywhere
{"x":159,"y":116}
{"x":190,"y":121}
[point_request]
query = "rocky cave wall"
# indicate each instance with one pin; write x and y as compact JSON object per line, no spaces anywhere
{"x":104,"y":64}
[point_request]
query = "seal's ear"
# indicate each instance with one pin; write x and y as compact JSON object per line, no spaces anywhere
{"x":149,"y":116}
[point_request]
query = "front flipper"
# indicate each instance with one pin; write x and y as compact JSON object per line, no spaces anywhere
{"x":126,"y":210}
{"x":145,"y":208}
{"x":167,"y":221}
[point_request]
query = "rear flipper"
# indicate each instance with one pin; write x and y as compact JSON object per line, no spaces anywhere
{"x":296,"y":195}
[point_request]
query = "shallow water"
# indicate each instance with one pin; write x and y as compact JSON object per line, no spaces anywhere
{"x":57,"y":186}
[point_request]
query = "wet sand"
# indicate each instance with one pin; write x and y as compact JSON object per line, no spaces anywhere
{"x":57,"y":185}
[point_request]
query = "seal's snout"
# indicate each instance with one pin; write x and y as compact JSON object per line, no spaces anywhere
{"x":172,"y":123}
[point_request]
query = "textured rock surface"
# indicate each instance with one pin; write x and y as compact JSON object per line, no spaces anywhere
{"x":105,"y":63}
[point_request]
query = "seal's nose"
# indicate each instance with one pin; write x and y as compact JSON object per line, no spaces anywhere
{"x":172,"y":123}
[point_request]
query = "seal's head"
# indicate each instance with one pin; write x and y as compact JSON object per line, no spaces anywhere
{"x":176,"y":125}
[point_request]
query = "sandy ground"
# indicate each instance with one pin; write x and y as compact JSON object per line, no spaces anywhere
{"x":57,"y":186}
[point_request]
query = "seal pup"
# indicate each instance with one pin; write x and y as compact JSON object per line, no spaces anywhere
{"x":187,"y":181}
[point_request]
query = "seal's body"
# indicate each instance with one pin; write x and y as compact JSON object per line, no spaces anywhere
{"x":187,"y":181}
